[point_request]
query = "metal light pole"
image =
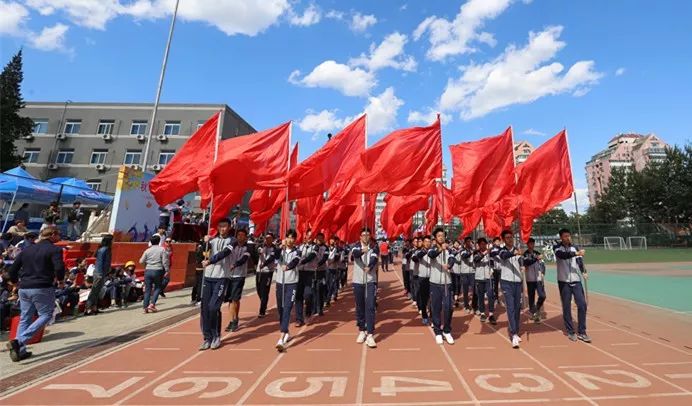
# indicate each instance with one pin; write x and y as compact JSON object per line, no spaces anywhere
{"x":152,"y":123}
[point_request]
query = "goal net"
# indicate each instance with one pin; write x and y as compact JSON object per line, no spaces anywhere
{"x":636,"y":243}
{"x":614,"y":243}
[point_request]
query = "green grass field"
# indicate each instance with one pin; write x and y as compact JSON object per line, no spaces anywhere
{"x":602,"y":256}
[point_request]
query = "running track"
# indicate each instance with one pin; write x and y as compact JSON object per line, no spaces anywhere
{"x":641,"y":355}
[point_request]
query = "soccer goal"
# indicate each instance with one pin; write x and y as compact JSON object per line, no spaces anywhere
{"x":636,"y":242}
{"x":614,"y":243}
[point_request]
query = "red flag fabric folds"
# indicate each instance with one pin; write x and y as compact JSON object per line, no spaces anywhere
{"x":483,"y":178}
{"x":222,"y":205}
{"x":444,"y":200}
{"x":332,"y":164}
{"x":405,"y":162}
{"x":188,"y":167}
{"x":254,"y":161}
{"x":544,"y":180}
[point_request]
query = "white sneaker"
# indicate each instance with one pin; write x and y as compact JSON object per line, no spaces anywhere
{"x":519,"y":338}
{"x":361,"y":337}
{"x":448,"y":337}
{"x":515,"y":341}
{"x":281,"y":345}
{"x":370,"y":341}
{"x":286,"y":338}
{"x":438,"y":339}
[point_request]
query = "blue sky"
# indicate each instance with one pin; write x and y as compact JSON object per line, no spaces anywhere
{"x":596,"y":67}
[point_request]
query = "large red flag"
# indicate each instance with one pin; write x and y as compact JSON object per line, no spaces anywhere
{"x":544,"y":180}
{"x":361,"y":217}
{"x":255,"y":161}
{"x":404,"y":207}
{"x":405,"y":162}
{"x":335,"y":162}
{"x":305,"y":209}
{"x":407,"y":207}
{"x":483,"y":178}
{"x":222,"y":205}
{"x":444,"y":200}
{"x":188,"y":167}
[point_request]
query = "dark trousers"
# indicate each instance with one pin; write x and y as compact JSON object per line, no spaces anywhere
{"x":285,"y":296}
{"x":567,"y":290}
{"x":441,"y":298}
{"x":496,"y":283}
{"x":365,"y":306}
{"x":263,"y":283}
{"x":304,"y":295}
{"x":384,"y":262}
{"x":164,"y":284}
{"x":468,"y":280}
{"x":512,"y":293}
{"x":415,"y":287}
{"x":213,"y":293}
{"x":332,"y":284}
{"x":533,"y":288}
{"x":95,"y":293}
{"x":407,"y":280}
{"x":319,"y":292}
{"x":485,"y":289}
{"x":423,"y":296}
{"x":197,"y":288}
{"x":456,"y":284}
{"x":153,"y":279}
{"x":343,"y":275}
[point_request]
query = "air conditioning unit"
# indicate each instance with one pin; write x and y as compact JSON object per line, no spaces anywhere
{"x":162,"y":137}
{"x":61,"y":136}
{"x":157,"y":167}
{"x":141,"y":137}
{"x":136,"y":167}
{"x":53,"y":167}
{"x":29,"y":137}
{"x":107,"y":137}
{"x":100,"y":167}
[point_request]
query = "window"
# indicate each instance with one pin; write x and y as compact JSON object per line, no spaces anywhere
{"x":31,"y":155}
{"x":165,"y":157}
{"x":64,"y":156}
{"x":132,"y":157}
{"x":139,"y":127}
{"x":40,"y":126}
{"x":200,"y":123}
{"x":105,"y":127}
{"x":171,"y":128}
{"x":95,"y":184}
{"x":73,"y":126}
{"x":98,"y":156}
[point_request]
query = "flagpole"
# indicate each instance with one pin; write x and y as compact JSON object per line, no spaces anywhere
{"x":152,"y":123}
{"x":574,"y":192}
{"x":219,"y":124}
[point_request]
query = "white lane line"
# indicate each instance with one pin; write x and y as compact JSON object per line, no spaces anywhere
{"x":360,"y":389}
{"x":499,"y":369}
{"x":668,"y":363}
{"x":314,"y":372}
{"x":407,"y":371}
{"x":116,"y":372}
{"x":161,"y":349}
{"x":588,"y":366}
{"x":679,"y":376}
{"x":623,"y":344}
{"x":218,"y":372}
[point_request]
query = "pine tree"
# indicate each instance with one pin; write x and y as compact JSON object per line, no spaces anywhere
{"x":12,"y":125}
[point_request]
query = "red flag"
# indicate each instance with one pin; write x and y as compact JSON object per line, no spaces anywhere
{"x":405,"y":207}
{"x":405,"y":162}
{"x":335,"y":162}
{"x":444,"y":200}
{"x":222,"y":205}
{"x":483,"y":177}
{"x":408,"y":207}
{"x":189,"y":165}
{"x":305,"y":208}
{"x":361,"y":217}
{"x":431,"y":217}
{"x":544,"y":180}
{"x":255,"y":161}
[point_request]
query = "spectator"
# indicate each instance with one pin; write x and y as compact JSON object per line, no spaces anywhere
{"x":68,"y":295}
{"x":156,"y":267}
{"x":168,"y":246}
{"x":121,"y":285}
{"x":7,"y":292}
{"x":161,"y":232}
{"x":38,"y":266}
{"x":101,"y":269}
{"x":5,"y":244}
{"x":22,"y":214}
{"x":164,"y":218}
{"x":51,"y":215}
{"x":74,"y":221}
{"x":29,"y":239}
{"x":200,"y":255}
{"x":19,"y":228}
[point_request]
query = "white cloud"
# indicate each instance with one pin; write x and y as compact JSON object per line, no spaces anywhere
{"x":321,"y":122}
{"x":531,"y":131}
{"x":93,"y":14}
{"x":50,"y":38}
{"x":390,"y":53}
{"x":335,"y":15}
{"x":620,"y":72}
{"x":427,"y":117}
{"x":449,"y":38}
{"x":517,"y":76}
{"x":330,"y":74}
{"x":311,"y":16}
{"x":360,"y":23}
{"x":12,"y":18}
{"x":582,"y":201}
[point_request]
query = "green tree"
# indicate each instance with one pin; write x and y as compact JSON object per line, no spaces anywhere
{"x":614,"y":204}
{"x":12,"y":125}
{"x":554,"y":216}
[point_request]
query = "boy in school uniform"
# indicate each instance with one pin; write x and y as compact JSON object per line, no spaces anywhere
{"x":333,"y":257}
{"x":456,"y":272}
{"x":468,"y":274}
{"x":405,"y":270}
{"x":423,"y":260}
{"x":266,"y":266}
{"x":441,"y":295}
{"x":364,"y":256}
{"x":570,"y":269}
{"x":415,"y":268}
{"x":214,"y":284}
{"x":343,"y":264}
{"x":286,"y":283}
{"x":238,"y":255}
{"x":494,"y":249}
{"x":535,"y":275}
{"x":484,"y":281}
{"x":511,"y":281}
{"x":320,"y":281}
{"x":306,"y":276}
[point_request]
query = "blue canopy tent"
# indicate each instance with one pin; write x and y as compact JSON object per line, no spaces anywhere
{"x":74,"y":189}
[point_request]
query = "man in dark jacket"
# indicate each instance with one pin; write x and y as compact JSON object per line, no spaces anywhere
{"x":36,"y":268}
